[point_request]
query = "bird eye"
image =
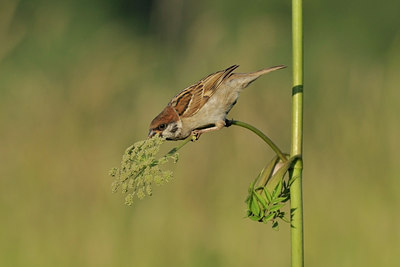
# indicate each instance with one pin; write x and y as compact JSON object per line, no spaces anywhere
{"x":162,"y":126}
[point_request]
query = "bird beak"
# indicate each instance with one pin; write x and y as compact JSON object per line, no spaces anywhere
{"x":151,"y":134}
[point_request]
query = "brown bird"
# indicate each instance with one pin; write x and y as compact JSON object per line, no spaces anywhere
{"x":203,"y":107}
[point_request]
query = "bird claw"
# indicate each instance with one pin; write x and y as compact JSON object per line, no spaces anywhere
{"x":196,"y":134}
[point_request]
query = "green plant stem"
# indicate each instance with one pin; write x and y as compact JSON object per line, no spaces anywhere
{"x":295,"y":174}
{"x":262,"y":136}
{"x":182,"y":144}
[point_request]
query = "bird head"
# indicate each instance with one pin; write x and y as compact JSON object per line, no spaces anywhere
{"x":167,"y":124}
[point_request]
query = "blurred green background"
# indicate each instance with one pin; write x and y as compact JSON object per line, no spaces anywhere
{"x":81,"y":80}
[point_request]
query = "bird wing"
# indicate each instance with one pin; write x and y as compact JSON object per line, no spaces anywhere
{"x":192,"y":99}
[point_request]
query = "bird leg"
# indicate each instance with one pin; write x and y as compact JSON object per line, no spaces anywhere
{"x":217,"y":126}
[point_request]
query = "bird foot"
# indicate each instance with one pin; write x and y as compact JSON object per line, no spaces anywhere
{"x":196,"y":134}
{"x":217,"y":126}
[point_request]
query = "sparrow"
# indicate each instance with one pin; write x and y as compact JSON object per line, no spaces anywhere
{"x":203,"y":107}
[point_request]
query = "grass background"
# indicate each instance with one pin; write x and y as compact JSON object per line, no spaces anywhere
{"x":81,"y":80}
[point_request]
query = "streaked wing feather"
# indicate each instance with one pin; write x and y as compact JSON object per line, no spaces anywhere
{"x":197,"y":100}
{"x":181,"y":102}
{"x":192,"y":99}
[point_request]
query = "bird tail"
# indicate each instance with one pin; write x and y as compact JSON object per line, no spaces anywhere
{"x":245,"y":79}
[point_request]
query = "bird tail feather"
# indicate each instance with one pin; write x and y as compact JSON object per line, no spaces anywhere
{"x":245,"y":79}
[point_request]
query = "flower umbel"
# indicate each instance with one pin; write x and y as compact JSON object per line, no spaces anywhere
{"x":140,"y":169}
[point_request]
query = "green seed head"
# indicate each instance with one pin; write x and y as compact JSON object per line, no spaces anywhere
{"x":140,"y":169}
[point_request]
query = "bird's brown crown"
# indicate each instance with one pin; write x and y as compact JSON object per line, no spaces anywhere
{"x":166,"y":116}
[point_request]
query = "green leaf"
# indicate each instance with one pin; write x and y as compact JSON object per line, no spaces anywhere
{"x":261,"y":199}
{"x":276,"y":207}
{"x":254,"y":207}
{"x":249,"y":200}
{"x":277,"y":190}
{"x":268,"y":217}
{"x":251,"y":187}
{"x":261,"y":215}
{"x":279,"y":199}
{"x":254,"y":218}
{"x":280,"y":173}
{"x":275,"y":225}
{"x":267,"y":195}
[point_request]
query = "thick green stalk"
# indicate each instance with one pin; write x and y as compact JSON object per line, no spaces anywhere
{"x":296,"y":199}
